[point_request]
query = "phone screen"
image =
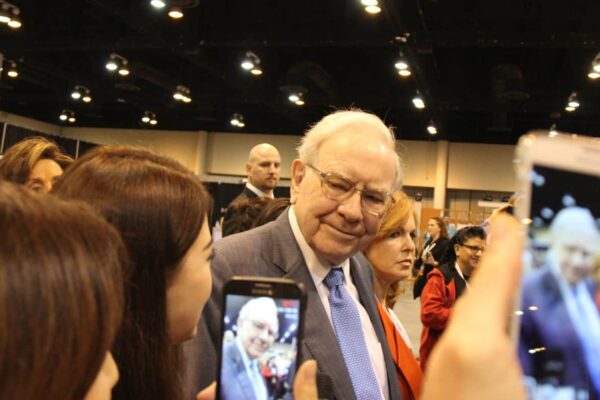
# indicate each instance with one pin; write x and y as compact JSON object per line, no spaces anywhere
{"x":559,"y":340}
{"x":259,"y":347}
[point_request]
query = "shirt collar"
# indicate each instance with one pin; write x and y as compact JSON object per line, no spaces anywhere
{"x":257,"y":191}
{"x":247,"y":361}
{"x":316,"y":267}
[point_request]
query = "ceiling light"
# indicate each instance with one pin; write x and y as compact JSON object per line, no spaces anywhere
{"x":176,"y":13}
{"x":373,"y":9}
{"x":572,"y":101}
{"x":67,"y":115}
{"x":367,"y":3}
{"x":158,"y":3}
{"x":552,"y":132}
{"x":418,"y":102}
{"x":431,"y":128}
{"x":237,"y":120}
{"x":112,"y":65}
{"x":4,"y":16}
{"x":594,"y":75}
{"x":118,"y":63}
{"x":401,"y":65}
{"x":12,"y":71}
{"x":15,"y":23}
{"x":293,"y":97}
{"x":299,"y":102}
{"x":183,"y":94}
{"x":149,"y":118}
{"x":81,"y":92}
{"x":251,"y":62}
{"x":569,"y":109}
{"x":404,"y":73}
{"x":9,"y":14}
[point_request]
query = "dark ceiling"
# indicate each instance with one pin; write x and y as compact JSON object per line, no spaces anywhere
{"x":488,"y":70}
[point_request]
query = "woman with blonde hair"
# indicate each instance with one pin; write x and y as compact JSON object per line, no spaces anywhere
{"x":392,"y":254}
{"x":35,"y":162}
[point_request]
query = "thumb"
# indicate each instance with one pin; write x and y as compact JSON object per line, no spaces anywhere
{"x":305,"y":384}
{"x":208,"y":393}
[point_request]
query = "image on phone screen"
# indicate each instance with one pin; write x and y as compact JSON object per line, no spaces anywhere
{"x":259,"y":347}
{"x":559,"y":340}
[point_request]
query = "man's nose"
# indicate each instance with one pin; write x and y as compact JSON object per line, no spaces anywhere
{"x":351,"y":208}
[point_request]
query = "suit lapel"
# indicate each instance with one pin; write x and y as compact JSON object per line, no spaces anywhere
{"x":241,"y":373}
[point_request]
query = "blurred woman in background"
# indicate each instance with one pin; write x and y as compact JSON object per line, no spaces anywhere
{"x":61,"y":298}
{"x":35,"y":162}
{"x":392,"y":254}
{"x":431,"y":254}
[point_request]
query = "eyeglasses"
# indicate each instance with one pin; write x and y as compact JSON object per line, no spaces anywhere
{"x":474,"y":249}
{"x":336,"y":187}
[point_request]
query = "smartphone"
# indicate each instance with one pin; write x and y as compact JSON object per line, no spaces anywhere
{"x":557,"y":318}
{"x":261,"y":334}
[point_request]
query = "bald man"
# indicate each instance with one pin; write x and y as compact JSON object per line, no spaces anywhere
{"x":263,"y":169}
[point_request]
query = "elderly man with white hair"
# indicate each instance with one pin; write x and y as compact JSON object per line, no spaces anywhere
{"x":560,"y":328}
{"x":341,"y":186}
{"x":257,"y":328}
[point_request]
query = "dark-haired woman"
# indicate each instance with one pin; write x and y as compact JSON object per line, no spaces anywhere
{"x":61,"y":298}
{"x":431,"y":254}
{"x":160,"y":209}
{"x":446,"y":283}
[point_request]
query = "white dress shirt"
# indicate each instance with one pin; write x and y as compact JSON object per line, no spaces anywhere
{"x":318,"y":271}
{"x":259,"y":192}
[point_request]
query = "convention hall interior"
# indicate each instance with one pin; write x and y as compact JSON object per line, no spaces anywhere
{"x":204,"y":81}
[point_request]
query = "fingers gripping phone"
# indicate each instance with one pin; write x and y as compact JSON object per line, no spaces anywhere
{"x":261,"y":333}
{"x":558,"y":318}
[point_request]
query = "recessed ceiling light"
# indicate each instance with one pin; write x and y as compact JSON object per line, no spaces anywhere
{"x":418,"y":103}
{"x":256,"y":71}
{"x":404,"y":73}
{"x":158,"y":3}
{"x":111,"y":65}
{"x":373,"y":9}
{"x":594,"y":75}
{"x":432,"y":130}
{"x":14,"y":23}
{"x":176,"y":13}
{"x":367,"y":3}
{"x":401,"y":65}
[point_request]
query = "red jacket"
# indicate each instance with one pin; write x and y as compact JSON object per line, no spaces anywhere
{"x":437,"y":298}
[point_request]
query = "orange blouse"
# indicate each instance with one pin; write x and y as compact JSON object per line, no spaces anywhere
{"x":408,"y":370}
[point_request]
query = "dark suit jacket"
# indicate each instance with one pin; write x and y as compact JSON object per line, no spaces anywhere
{"x":271,"y":251}
{"x":232,"y":219}
{"x":236,"y":383}
{"x":549,"y":326}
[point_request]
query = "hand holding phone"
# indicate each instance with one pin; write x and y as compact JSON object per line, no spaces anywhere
{"x":559,"y":334}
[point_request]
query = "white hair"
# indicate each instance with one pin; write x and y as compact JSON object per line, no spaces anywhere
{"x":260,"y":305}
{"x":571,"y":219}
{"x":333,"y":124}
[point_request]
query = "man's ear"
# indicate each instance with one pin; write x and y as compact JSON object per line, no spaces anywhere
{"x":298,"y":172}
{"x":248,"y":168}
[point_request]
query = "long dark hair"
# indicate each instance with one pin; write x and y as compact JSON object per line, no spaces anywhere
{"x":61,"y":295}
{"x":159,"y":207}
{"x":461,"y":237}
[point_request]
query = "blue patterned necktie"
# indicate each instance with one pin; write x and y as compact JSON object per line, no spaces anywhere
{"x":350,"y":337}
